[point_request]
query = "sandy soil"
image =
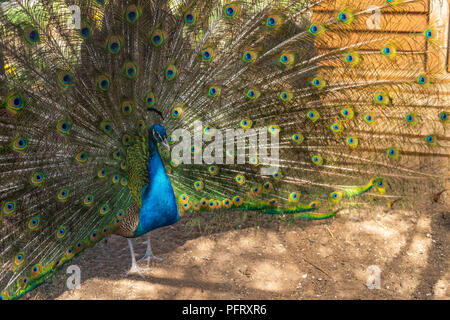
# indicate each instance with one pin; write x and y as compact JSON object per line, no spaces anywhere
{"x":244,"y":256}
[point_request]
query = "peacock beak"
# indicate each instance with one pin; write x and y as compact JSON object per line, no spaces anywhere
{"x":165,"y":144}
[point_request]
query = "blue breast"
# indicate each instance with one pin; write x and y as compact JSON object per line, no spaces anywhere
{"x":159,"y":207}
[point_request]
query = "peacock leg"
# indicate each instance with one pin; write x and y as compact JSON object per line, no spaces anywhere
{"x":134,"y":268}
{"x":148,"y":253}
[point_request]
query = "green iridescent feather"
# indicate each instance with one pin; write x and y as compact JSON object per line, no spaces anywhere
{"x":361,"y":116}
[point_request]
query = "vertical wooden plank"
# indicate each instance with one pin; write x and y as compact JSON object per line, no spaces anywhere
{"x":448,"y":39}
{"x":439,"y":18}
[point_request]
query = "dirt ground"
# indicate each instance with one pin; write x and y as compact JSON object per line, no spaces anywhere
{"x":246,"y":256}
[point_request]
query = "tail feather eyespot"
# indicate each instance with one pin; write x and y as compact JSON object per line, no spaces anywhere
{"x":15,"y":103}
{"x":253,"y":94}
{"x":63,"y":195}
{"x":317,"y":159}
{"x":19,"y":258}
{"x":106,"y":126}
{"x":250,"y":56}
{"x":274,"y":21}
{"x":345,"y":16}
{"x":294,"y":197}
{"x":246,"y":124}
{"x":198,"y":185}
{"x":19,"y":144}
{"x":132,"y":13}
{"x":33,"y":223}
{"x":313,"y":115}
{"x":127,"y":107}
{"x":336,"y":196}
{"x":411,"y":119}
{"x":130,"y":70}
{"x":31,"y":35}
{"x":208,"y":54}
{"x":150,"y":99}
{"x":286,"y":96}
{"x":389,"y":51}
{"x":171,"y":72}
{"x":214,"y":91}
{"x":36,"y":270}
{"x":103,"y":82}
{"x":88,"y":200}
{"x":157,"y":38}
{"x":298,"y":138}
{"x":318,"y":82}
{"x":114,"y":44}
{"x":352,"y":141}
{"x":63,"y":126}
{"x":348,"y":113}
{"x":237,"y":201}
{"x":61,"y":233}
{"x":37,"y":179}
{"x":337,"y":128}
{"x":352,"y":58}
{"x":240,"y":179}
{"x":231,"y":10}
{"x":287,"y":58}
{"x":104,"y":209}
{"x":9,"y":208}
{"x":85,"y":30}
{"x":190,"y":17}
{"x":393,"y":153}
{"x":65,"y":79}
{"x":316,"y":29}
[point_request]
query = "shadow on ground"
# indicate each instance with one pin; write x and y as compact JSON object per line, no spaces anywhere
{"x":247,"y":256}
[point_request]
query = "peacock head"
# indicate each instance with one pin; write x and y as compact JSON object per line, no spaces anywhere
{"x":159,"y":135}
{"x":157,"y":132}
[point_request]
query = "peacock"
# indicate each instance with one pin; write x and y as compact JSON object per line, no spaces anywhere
{"x":124,"y":116}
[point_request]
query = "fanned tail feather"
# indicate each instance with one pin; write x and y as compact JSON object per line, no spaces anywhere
{"x":357,"y":97}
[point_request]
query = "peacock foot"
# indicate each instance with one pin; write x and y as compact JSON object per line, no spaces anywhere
{"x":148,"y":258}
{"x":135,"y":270}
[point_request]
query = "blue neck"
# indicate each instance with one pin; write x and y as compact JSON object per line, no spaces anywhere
{"x":159,"y":207}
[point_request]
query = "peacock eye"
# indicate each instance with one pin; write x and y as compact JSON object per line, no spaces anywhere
{"x":157,"y":136}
